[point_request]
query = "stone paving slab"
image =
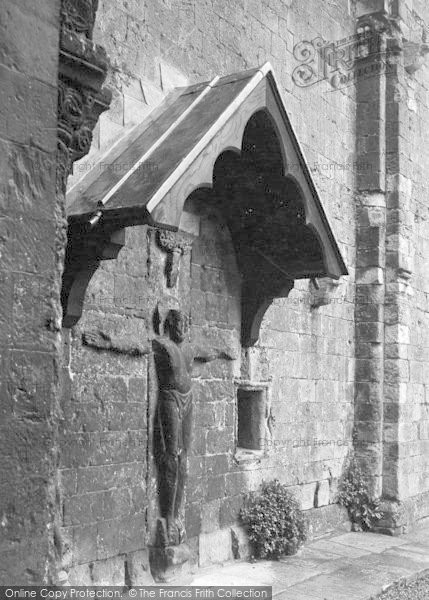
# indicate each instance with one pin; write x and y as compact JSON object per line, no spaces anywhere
{"x":333,"y":586}
{"x":351,"y":566}
{"x":371,"y":542}
{"x":412,"y":552}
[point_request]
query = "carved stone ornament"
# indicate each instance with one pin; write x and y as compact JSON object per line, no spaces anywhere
{"x":82,"y":70}
{"x":101,"y":339}
{"x":323,"y":291}
{"x":174,"y":360}
{"x":414,"y":56}
{"x":79,"y":16}
{"x":176,"y":244}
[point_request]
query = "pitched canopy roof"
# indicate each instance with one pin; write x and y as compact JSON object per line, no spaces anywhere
{"x":147,"y":176}
{"x":230,"y":143}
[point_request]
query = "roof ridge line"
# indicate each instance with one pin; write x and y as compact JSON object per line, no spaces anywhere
{"x":159,"y":141}
{"x":208,"y":136}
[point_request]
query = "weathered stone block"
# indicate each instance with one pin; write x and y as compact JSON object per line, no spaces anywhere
{"x":369,"y":294}
{"x":322,"y":493}
{"x":368,"y":411}
{"x":68,"y":481}
{"x":216,"y":308}
{"x":369,"y":275}
{"x":196,"y":489}
{"x":31,"y":57}
{"x":137,"y":389}
{"x":368,"y":432}
{"x":219,"y":440}
{"x":370,"y":332}
{"x":369,"y":312}
{"x":79,"y":510}
{"x":229,"y":510}
{"x":33,"y":315}
{"x":210,"y":516}
{"x":109,"y":572}
{"x":80,"y":575}
{"x":198,"y":307}
{"x":121,"y":536}
{"x":215,"y":547}
{"x":193,"y":519}
{"x":137,"y":565}
{"x":32,"y":381}
{"x":307,"y":495}
{"x":84,"y":544}
{"x":396,"y":371}
{"x":236,"y":483}
{"x":216,"y":465}
{"x":6,"y":304}
{"x":215,"y":488}
{"x":369,"y":350}
{"x":369,"y":370}
{"x":13,"y":111}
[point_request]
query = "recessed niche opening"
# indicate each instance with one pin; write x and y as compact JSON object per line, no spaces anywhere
{"x":251,"y":421}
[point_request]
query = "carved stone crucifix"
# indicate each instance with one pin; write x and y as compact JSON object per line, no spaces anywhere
{"x":174,"y":357}
{"x":176,"y":245}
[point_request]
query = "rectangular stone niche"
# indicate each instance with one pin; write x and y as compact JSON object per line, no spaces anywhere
{"x":251,"y":431}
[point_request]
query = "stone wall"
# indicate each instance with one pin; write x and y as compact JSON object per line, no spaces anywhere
{"x":108,"y":476}
{"x":97,"y":519}
{"x":306,"y":347}
{"x":31,"y":241}
{"x":104,"y":430}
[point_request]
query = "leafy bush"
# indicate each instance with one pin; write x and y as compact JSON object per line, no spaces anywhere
{"x":274,"y":521}
{"x":354,"y":495}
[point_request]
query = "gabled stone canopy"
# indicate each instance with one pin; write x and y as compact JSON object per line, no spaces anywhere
{"x":232,"y":138}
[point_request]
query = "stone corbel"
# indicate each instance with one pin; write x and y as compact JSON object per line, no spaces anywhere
{"x":414,"y":56}
{"x":255,"y":302}
{"x":176,"y":244}
{"x":322,"y":291}
{"x":83,"y":256}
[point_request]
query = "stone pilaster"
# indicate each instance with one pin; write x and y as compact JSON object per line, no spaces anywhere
{"x":399,"y":268}
{"x":371,"y":232}
{"x":384,"y":259}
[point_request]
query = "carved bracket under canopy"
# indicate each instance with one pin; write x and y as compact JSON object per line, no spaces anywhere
{"x":85,"y":251}
{"x":231,"y":139}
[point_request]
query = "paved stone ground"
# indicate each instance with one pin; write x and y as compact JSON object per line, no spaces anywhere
{"x":350,"y":566}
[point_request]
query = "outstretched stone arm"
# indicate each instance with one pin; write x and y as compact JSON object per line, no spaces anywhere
{"x":101,"y":340}
{"x":204,"y":355}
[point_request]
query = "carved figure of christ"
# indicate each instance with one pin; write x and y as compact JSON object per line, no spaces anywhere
{"x":174,"y":358}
